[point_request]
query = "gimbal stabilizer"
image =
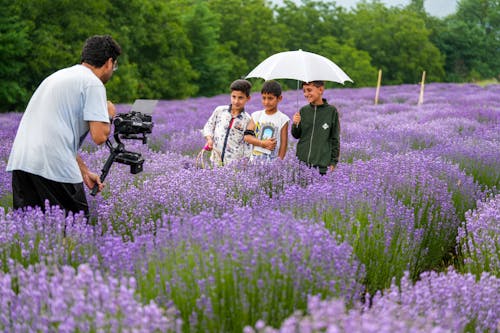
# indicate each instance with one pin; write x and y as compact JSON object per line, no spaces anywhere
{"x":120,"y":155}
{"x":134,"y":125}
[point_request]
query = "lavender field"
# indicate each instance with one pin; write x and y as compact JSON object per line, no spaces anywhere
{"x":402,"y":237}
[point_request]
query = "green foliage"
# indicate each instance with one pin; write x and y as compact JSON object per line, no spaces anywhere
{"x":174,"y":49}
{"x":58,"y":33}
{"x":125,"y":84}
{"x":14,"y":47}
{"x":470,"y":39}
{"x":486,"y":174}
{"x":6,"y":201}
{"x":308,"y":23}
{"x":398,"y":42}
{"x":366,"y":229}
{"x":28,"y":249}
{"x":249,"y":31}
{"x":203,"y":29}
{"x":354,"y":62}
{"x":200,"y":280}
{"x":156,"y":43}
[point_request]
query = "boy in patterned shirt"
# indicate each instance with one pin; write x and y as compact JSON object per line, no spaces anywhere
{"x":225,"y":128}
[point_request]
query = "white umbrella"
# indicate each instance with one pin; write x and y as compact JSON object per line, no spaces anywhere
{"x":299,"y":65}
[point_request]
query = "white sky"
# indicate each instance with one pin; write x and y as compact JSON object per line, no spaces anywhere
{"x":439,"y":8}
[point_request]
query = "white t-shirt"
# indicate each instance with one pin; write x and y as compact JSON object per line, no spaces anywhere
{"x":266,"y":127}
{"x":55,"y":124}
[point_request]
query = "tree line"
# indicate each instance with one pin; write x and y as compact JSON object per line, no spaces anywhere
{"x":174,"y":49}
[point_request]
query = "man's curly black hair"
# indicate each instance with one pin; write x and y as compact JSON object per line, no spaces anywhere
{"x":98,"y":49}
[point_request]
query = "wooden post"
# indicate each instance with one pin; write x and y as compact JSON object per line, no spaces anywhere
{"x":378,"y":86}
{"x":422,"y":83}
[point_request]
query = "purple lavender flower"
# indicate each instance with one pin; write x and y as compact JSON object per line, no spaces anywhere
{"x":31,"y":236}
{"x":451,"y":300}
{"x":216,"y":243}
{"x":333,"y":316}
{"x":250,"y":264}
{"x":48,"y":299}
{"x":446,"y":302}
{"x":479,"y":238}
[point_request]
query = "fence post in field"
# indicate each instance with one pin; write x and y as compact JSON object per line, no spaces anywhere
{"x":422,"y":83}
{"x":378,"y":86}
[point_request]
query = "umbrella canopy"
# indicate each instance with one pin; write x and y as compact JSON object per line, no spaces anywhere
{"x":299,"y":65}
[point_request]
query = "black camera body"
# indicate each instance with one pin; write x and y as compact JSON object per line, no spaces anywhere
{"x":134,"y":125}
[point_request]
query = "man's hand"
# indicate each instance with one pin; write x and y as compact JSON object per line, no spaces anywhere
{"x":111,"y":110}
{"x":90,"y":179}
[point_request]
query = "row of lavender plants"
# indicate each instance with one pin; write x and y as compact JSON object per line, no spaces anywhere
{"x":403,"y":236}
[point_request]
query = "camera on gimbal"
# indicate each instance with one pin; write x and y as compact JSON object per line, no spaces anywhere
{"x":133,"y":125}
{"x":129,"y":125}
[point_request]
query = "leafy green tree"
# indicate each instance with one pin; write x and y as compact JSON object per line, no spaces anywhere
{"x":308,"y":22}
{"x":156,"y":45}
{"x":174,"y":49}
{"x":470,"y":39}
{"x":417,"y":6}
{"x":398,"y":42}
{"x":52,"y":33}
{"x":249,"y":31}
{"x":320,"y":27}
{"x":355,"y":63}
{"x":203,"y":30}
{"x":58,"y":32}
{"x":14,"y":49}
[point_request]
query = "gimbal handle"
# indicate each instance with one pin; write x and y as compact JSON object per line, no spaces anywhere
{"x":114,"y":151}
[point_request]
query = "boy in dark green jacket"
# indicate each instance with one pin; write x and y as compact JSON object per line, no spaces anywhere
{"x":317,"y":127}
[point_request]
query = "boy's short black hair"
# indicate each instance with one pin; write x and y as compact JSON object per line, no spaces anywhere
{"x":241,"y":85}
{"x":271,"y":87}
{"x":98,"y":49}
{"x":317,"y":83}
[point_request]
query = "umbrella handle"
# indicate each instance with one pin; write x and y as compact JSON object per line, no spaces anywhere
{"x":297,"y":104}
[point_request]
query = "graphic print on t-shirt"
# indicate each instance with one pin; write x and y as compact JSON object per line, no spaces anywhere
{"x":265,"y":131}
{"x":266,"y":127}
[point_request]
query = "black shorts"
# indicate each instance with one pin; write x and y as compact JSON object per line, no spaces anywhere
{"x":30,"y":190}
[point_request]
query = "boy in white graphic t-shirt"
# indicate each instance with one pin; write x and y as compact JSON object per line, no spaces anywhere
{"x":267,"y":131}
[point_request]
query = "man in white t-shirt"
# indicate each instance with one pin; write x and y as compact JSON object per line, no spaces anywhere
{"x":268,"y":129}
{"x":67,"y":105}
